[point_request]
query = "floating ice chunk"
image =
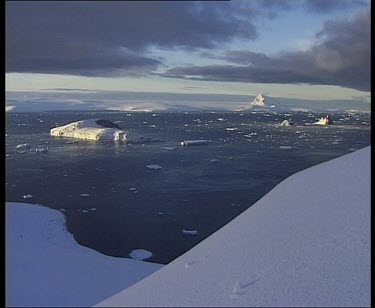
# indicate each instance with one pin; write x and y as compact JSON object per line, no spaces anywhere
{"x":132,"y":188}
{"x":154,"y":167}
{"x":220,"y":119}
{"x":286,"y":123}
{"x":85,"y":195}
{"x":23,"y":146}
{"x":140,"y":254}
{"x":62,"y":210}
{"x":285,"y":147}
{"x":195,"y":142}
{"x":214,"y":160}
{"x":190,"y":232}
{"x":92,"y":209}
{"x":231,"y":128}
{"x":84,"y":211}
{"x":27,"y":196}
{"x":169,"y":148}
{"x":42,"y":150}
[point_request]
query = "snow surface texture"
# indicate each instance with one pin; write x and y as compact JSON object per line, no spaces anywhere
{"x":45,"y":267}
{"x":306,"y":243}
{"x":95,"y":129}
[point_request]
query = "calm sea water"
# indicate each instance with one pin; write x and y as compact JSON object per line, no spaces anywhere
{"x":198,"y":188}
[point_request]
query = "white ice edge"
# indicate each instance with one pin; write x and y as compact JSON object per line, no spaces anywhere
{"x":305,"y":243}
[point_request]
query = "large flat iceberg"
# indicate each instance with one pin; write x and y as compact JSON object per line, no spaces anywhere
{"x":95,"y":129}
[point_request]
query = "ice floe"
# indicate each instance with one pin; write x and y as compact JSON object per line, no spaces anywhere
{"x":190,"y":232}
{"x":195,"y":142}
{"x":154,"y":167}
{"x":140,"y":254}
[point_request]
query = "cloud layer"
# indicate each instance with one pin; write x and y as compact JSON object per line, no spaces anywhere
{"x":112,"y":38}
{"x":104,"y":37}
{"x":343,"y":58}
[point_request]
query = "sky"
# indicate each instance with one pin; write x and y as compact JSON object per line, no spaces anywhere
{"x":303,"y":49}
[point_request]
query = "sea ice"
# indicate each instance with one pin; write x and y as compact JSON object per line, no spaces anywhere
{"x":27,"y":196}
{"x":190,"y":232}
{"x":23,"y":146}
{"x":85,"y":195}
{"x":140,"y":254}
{"x":195,"y":142}
{"x":285,"y":147}
{"x":154,"y":167}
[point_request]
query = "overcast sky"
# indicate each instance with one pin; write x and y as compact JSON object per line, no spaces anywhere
{"x":313,"y":49}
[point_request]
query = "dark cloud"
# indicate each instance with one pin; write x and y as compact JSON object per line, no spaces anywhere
{"x":105,"y":37}
{"x":343,"y":58}
{"x":327,"y":6}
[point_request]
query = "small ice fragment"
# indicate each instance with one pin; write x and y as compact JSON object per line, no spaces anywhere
{"x":152,"y":125}
{"x":214,"y":160}
{"x":160,"y":213}
{"x":190,"y":232}
{"x":85,"y":195}
{"x":23,"y":146}
{"x":285,"y":147}
{"x":92,"y":209}
{"x":154,"y":167}
{"x":169,"y":148}
{"x":140,"y":254}
{"x":220,"y":119}
{"x":62,"y":210}
{"x":84,"y":211}
{"x":27,"y":196}
{"x":195,"y":142}
{"x":231,"y":128}
{"x":42,"y":150}
{"x":132,"y":188}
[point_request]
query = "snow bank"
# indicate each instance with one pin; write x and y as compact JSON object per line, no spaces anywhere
{"x":45,"y":267}
{"x":306,"y":243}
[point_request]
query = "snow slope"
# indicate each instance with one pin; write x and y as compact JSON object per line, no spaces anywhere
{"x":306,"y":243}
{"x":45,"y":267}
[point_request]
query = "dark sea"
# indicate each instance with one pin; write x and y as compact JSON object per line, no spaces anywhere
{"x":113,"y":203}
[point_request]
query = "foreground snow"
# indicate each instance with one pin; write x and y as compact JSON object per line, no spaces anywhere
{"x":306,"y":243}
{"x":45,"y":267}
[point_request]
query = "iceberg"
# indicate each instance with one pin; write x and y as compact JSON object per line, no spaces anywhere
{"x":259,"y":101}
{"x":96,"y":129}
{"x":324,"y":121}
{"x":286,"y":123}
